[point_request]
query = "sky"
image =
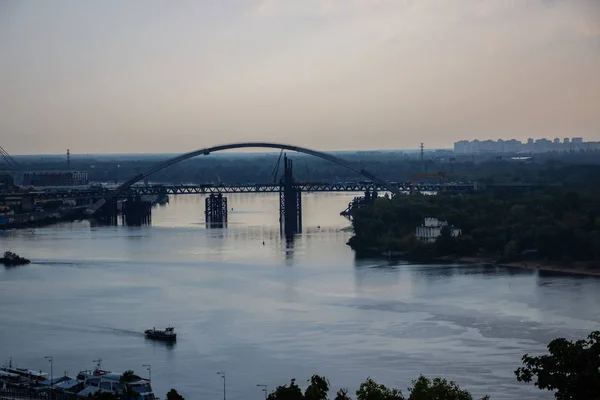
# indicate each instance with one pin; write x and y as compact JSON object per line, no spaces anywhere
{"x":148,"y":76}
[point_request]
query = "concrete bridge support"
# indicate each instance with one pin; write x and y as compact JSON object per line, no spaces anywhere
{"x":215,"y":211}
{"x":107,"y":214}
{"x":136,"y":212}
{"x":290,"y":202}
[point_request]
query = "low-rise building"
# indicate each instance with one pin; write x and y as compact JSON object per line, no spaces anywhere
{"x":50,"y":178}
{"x":432,"y":229}
{"x":6,"y":183}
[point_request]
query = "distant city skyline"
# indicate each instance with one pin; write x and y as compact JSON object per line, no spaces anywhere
{"x":531,"y":145}
{"x":156,"y":77}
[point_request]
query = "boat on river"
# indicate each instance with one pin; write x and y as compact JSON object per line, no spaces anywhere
{"x":167,"y":335}
{"x":11,"y":258}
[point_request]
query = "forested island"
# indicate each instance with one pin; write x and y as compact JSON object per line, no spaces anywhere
{"x":558,"y":225}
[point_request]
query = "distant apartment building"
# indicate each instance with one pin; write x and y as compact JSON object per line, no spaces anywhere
{"x":50,"y":178}
{"x":542,"y":145}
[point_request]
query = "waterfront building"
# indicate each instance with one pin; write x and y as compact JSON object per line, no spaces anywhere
{"x":432,"y":229}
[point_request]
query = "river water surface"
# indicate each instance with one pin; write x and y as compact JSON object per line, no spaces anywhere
{"x":265,"y":313}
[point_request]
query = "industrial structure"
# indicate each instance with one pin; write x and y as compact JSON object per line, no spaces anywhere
{"x":290,"y":201}
{"x":50,"y":178}
{"x":53,"y":195}
{"x":215,"y":210}
{"x":20,"y":177}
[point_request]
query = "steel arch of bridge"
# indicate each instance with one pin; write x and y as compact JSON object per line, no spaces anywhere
{"x":206,"y":151}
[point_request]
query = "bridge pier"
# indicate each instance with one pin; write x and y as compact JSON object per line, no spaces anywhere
{"x":290,"y":202}
{"x":136,"y":212}
{"x":215,"y":211}
{"x":107,"y":214}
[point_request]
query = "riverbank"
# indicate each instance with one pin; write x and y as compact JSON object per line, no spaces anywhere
{"x":578,"y":269}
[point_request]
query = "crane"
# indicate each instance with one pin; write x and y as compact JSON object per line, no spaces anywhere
{"x":8,"y":159}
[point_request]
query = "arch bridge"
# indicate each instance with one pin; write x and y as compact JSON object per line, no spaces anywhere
{"x":208,"y":150}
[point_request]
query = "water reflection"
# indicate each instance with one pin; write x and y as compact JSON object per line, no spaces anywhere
{"x":161,"y":344}
{"x":289,"y":249}
{"x":246,"y":296}
{"x":374,"y":273}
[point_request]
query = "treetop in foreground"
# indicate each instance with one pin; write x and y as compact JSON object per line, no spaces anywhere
{"x":571,"y":370}
{"x":421,"y":389}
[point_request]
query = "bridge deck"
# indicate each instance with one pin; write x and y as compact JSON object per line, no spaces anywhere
{"x":73,"y":193}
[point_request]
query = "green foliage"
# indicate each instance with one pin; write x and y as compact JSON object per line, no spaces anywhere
{"x":106,"y":396}
{"x":371,"y":390}
{"x":572,"y":369}
{"x":390,"y":166}
{"x":128,"y":376}
{"x":342,"y":394}
{"x":173,"y":395}
{"x":318,"y":388}
{"x":438,"y":389}
{"x":553,"y":224}
{"x":422,"y":389}
{"x":291,"y":392}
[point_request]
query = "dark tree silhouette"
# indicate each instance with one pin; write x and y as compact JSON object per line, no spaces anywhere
{"x":128,"y":376}
{"x":371,"y":390}
{"x":572,"y":369}
{"x":342,"y":394}
{"x":291,"y":392}
{"x":318,"y":388}
{"x":173,"y":395}
{"x":425,"y":389}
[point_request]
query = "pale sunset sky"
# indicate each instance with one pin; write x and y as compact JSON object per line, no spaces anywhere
{"x":171,"y":76}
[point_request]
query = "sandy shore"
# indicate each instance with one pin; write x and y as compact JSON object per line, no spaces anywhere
{"x":573,"y":269}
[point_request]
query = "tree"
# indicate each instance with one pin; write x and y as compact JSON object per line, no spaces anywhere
{"x":128,"y":376}
{"x":445,"y":243}
{"x":342,"y":394}
{"x":173,"y":395}
{"x":371,"y":390}
{"x":318,"y":388}
{"x":571,"y":369}
{"x":106,"y":396}
{"x":437,"y":389}
{"x":291,"y":392}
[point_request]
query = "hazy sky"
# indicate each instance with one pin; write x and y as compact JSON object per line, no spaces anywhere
{"x":171,"y":76}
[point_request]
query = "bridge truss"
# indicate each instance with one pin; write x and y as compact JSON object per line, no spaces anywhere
{"x":69,"y":193}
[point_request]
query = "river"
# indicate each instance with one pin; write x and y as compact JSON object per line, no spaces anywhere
{"x":265,"y":313}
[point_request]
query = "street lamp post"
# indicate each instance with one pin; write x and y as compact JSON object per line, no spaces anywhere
{"x":264,"y":389}
{"x":51,"y":373}
{"x":149,"y":368}
{"x":223,"y":376}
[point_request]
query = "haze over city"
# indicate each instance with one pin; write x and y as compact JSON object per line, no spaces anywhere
{"x":113,"y":76}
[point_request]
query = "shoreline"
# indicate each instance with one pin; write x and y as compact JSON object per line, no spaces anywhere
{"x":533,"y":265}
